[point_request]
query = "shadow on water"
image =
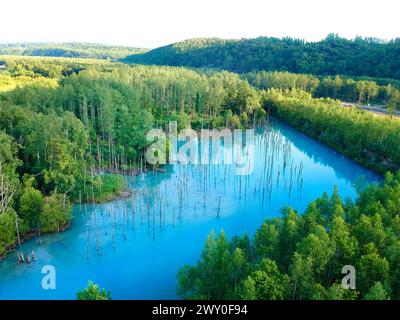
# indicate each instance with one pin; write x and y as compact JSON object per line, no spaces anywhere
{"x":320,"y":153}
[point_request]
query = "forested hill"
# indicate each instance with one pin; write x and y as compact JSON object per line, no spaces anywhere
{"x":331,"y":56}
{"x":69,"y":50}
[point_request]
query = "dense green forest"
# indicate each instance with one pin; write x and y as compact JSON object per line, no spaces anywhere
{"x":331,"y":56}
{"x":368,"y":90}
{"x":64,"y":120}
{"x":68,"y":50}
{"x":71,"y":128}
{"x":367,"y":139}
{"x":39,"y":71}
{"x":76,"y":119}
{"x":300,"y":256}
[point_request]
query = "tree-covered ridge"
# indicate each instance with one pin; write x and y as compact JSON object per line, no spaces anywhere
{"x":331,"y":56}
{"x":301,"y":256}
{"x":43,"y":71}
{"x":69,"y":50}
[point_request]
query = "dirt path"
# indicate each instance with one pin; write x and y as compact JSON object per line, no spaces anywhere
{"x":378,"y":109}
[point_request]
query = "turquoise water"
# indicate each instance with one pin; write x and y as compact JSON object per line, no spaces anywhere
{"x":134,"y":247}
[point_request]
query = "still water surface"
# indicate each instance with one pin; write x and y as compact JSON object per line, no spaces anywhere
{"x":134,"y":247}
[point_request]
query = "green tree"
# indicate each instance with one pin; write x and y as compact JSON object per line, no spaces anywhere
{"x":394,"y":102}
{"x":55,"y":214}
{"x":377,"y":292}
{"x":7,"y":230}
{"x":30,"y":206}
{"x":371,"y":268}
{"x":248,"y":289}
{"x":302,"y":279}
{"x":266,"y":240}
{"x":269,"y":282}
{"x":288,"y":236}
{"x":93,"y":292}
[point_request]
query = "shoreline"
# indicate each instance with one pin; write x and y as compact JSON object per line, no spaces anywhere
{"x":35,"y":234}
{"x":134,"y":171}
{"x":29,"y":236}
{"x":115,"y":197}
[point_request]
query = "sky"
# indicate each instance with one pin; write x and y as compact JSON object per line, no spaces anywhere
{"x":153,"y":23}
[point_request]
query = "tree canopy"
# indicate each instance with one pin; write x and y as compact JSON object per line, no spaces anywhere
{"x":93,"y":292}
{"x":68,"y":50}
{"x":331,"y":56}
{"x":301,"y":256}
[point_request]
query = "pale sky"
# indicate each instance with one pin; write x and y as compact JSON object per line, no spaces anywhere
{"x":152,"y":23}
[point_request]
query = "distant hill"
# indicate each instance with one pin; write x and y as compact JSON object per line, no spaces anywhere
{"x":69,"y":50}
{"x":333,"y":55}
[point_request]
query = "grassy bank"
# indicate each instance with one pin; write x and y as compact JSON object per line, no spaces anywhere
{"x":106,"y":187}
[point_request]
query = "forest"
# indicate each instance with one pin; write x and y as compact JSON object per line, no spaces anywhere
{"x":361,"y":136}
{"x":299,"y":256}
{"x":334,"y":55}
{"x":72,"y":129}
{"x":68,"y":50}
{"x":73,"y":119}
{"x":358,"y":90}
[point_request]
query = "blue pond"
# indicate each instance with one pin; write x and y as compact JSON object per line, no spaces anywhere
{"x":134,"y":247}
